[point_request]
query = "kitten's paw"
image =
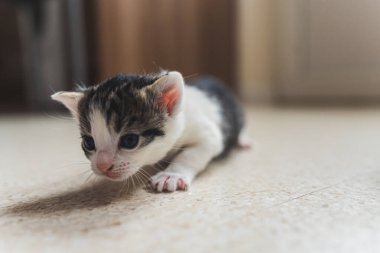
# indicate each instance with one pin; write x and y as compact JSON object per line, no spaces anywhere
{"x":169,"y":182}
{"x":244,"y":142}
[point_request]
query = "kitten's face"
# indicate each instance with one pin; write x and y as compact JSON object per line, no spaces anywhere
{"x":127,"y":122}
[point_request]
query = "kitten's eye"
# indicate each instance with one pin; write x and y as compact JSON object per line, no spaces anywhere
{"x":129,"y":141}
{"x":88,"y":143}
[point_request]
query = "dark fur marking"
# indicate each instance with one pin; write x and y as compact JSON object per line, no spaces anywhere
{"x":232,"y":113}
{"x":131,"y":121}
{"x":120,"y":100}
{"x":153,"y":132}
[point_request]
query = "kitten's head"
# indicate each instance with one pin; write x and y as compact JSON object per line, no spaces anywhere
{"x":127,"y":122}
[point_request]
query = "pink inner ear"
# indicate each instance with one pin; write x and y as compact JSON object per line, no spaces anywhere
{"x":170,"y":98}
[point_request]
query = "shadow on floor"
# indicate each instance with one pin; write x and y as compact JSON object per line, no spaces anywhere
{"x":98,"y":194}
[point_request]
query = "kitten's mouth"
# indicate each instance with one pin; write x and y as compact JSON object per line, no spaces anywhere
{"x":114,"y":175}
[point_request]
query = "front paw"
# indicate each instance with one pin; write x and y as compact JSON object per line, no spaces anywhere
{"x":169,"y":182}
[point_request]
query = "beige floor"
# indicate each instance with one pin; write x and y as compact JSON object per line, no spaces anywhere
{"x":312,"y":184}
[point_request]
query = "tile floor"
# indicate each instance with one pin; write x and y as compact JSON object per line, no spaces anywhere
{"x":311,"y":184}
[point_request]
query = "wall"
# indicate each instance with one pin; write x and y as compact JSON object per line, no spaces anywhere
{"x":255,"y":48}
{"x":309,"y":51}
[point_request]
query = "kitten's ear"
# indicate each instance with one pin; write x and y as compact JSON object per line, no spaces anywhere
{"x":170,"y":91}
{"x":70,"y":100}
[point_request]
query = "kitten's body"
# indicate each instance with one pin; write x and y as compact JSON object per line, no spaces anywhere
{"x":199,"y":122}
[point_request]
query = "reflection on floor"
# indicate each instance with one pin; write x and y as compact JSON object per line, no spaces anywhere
{"x":311,"y":184}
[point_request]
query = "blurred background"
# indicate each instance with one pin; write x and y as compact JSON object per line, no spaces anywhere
{"x":265,"y":50}
{"x":310,"y":184}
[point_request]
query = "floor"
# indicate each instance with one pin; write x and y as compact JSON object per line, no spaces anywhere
{"x":311,"y":184}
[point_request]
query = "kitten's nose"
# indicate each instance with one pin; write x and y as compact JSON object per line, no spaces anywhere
{"x":104,"y":161}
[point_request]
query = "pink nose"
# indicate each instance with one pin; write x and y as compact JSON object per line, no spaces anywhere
{"x":104,"y":161}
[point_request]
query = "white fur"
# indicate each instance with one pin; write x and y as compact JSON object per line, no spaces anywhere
{"x":194,"y":125}
{"x":129,"y":162}
{"x":105,"y":139}
{"x":202,"y":134}
{"x":70,"y":100}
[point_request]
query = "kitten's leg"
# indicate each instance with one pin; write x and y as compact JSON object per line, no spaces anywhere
{"x":184,"y":167}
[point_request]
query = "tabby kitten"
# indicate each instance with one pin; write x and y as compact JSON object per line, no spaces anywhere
{"x":129,"y":121}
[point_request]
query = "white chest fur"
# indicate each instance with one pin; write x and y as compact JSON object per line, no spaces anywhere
{"x":202,"y":138}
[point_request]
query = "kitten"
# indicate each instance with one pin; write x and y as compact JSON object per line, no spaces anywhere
{"x":129,"y":121}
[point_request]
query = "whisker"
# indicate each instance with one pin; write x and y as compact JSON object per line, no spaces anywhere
{"x":144,"y":173}
{"x":191,"y":75}
{"x":122,"y":188}
{"x":59,"y":117}
{"x":139,"y":179}
{"x":133,"y":183}
{"x":145,"y":177}
{"x":89,"y":176}
{"x":72,"y":164}
{"x":147,"y":180}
